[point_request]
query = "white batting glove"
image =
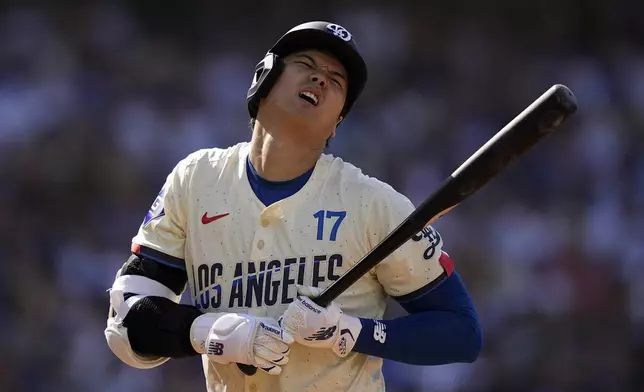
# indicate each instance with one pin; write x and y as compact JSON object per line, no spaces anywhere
{"x":239,"y":338}
{"x":314,"y":326}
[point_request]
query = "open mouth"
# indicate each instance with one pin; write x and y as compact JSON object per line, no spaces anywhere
{"x":309,"y":97}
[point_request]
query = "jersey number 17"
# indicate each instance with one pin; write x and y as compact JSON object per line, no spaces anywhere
{"x":336,"y":217}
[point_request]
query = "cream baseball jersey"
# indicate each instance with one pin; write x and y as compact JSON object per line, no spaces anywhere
{"x":242,"y":256}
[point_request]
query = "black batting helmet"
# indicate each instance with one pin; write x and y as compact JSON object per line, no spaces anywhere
{"x":325,"y":36}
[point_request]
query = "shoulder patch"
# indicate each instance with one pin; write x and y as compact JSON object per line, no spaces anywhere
{"x":157,"y":210}
{"x":433,"y":240}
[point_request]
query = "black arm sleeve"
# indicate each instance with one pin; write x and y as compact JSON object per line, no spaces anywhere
{"x":156,"y":326}
{"x":173,"y":278}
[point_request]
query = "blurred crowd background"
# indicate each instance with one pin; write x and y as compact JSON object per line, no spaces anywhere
{"x":98,"y":101}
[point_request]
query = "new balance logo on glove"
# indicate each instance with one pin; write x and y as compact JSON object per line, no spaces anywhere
{"x":323,"y":334}
{"x":312,"y":308}
{"x":215,"y":348}
{"x":268,"y":328}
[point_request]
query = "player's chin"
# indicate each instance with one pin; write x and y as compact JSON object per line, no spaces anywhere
{"x":306,"y":112}
{"x":308,"y":117}
{"x":305,"y":117}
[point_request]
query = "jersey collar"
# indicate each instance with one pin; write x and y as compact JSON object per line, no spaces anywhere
{"x":307,"y":192}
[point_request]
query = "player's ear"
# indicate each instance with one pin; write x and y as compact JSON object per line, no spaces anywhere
{"x":339,"y":121}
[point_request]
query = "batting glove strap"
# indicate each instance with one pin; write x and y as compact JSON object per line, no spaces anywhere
{"x":348,"y":331}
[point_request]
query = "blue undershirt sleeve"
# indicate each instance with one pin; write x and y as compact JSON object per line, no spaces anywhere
{"x":442,"y":327}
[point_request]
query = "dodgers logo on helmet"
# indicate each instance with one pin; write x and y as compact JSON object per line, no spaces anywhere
{"x":339,"y":31}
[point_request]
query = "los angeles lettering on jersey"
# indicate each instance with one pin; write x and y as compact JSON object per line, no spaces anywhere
{"x":255,"y":284}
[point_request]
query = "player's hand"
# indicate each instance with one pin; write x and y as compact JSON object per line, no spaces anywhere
{"x":241,"y":338}
{"x":314,"y":326}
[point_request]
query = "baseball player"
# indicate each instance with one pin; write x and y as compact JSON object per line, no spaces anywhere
{"x":255,"y":230}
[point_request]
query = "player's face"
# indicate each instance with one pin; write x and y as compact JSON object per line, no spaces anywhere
{"x":310,"y":95}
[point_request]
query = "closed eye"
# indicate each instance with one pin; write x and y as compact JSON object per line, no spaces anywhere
{"x":304,"y":63}
{"x":311,"y":66}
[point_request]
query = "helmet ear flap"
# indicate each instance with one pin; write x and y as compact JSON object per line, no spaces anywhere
{"x":266,"y":73}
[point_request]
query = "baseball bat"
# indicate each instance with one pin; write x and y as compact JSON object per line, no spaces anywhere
{"x":539,"y":119}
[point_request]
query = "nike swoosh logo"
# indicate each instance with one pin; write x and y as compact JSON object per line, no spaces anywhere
{"x":205,"y":219}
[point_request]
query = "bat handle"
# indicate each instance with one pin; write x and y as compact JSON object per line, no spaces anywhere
{"x":325,"y":298}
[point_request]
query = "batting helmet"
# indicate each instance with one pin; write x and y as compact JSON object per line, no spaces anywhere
{"x":325,"y":36}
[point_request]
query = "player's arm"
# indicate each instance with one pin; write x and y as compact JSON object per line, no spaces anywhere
{"x":147,"y":325}
{"x":442,"y":326}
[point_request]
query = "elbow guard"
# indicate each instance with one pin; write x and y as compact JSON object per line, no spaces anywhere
{"x":126,"y":292}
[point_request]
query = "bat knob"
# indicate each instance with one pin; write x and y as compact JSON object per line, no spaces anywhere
{"x":566,"y":98}
{"x":248,"y":370}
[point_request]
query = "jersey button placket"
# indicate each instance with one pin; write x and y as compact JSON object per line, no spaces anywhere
{"x":264,"y":222}
{"x":252,"y":388}
{"x":262,"y":235}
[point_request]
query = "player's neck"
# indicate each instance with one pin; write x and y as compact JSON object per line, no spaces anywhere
{"x":277,"y":160}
